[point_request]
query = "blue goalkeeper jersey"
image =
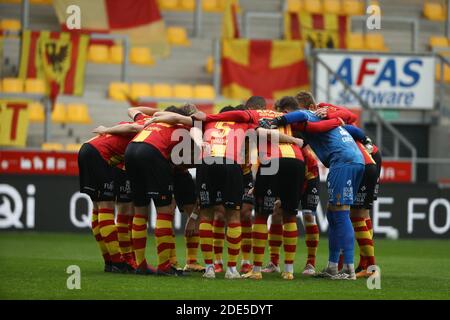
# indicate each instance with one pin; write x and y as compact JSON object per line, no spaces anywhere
{"x":334,"y":148}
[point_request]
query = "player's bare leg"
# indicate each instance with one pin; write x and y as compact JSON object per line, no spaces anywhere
{"x":233,"y":242}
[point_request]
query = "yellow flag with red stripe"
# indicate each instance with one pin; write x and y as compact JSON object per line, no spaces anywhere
{"x":230,"y":25}
{"x":321,"y":30}
{"x":267,"y":68}
{"x":14,"y":122}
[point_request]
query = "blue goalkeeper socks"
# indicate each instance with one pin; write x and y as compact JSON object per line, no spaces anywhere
{"x":341,"y":236}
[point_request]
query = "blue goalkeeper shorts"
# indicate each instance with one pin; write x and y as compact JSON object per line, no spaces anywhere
{"x":343,"y":183}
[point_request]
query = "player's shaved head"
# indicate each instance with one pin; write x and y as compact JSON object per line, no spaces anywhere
{"x":255,"y":103}
{"x":305,"y":100}
{"x":286,"y":104}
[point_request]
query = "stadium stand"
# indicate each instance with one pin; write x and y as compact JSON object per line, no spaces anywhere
{"x":12,"y":85}
{"x":36,"y":112}
{"x":434,"y":11}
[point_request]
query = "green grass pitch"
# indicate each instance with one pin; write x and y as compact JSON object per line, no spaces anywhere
{"x":33,"y":266}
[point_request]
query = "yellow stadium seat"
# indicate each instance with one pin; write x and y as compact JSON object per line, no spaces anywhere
{"x":78,"y":113}
{"x":141,"y":55}
{"x":434,"y":11}
{"x":211,"y":5}
{"x":36,"y":112}
{"x":375,"y":42}
{"x":177,"y":36}
{"x":210,"y":64}
{"x":98,"y":53}
{"x":183,"y":91}
{"x":116,"y":54}
{"x":52,"y":146}
{"x":353,"y":7}
{"x":59,"y":114}
{"x":35,"y":86}
{"x":313,"y":6}
{"x":12,"y":85}
{"x":332,"y":6}
{"x":162,"y":90}
{"x":355,"y":41}
{"x":168,"y":4}
{"x":446,"y":73}
{"x":204,"y":92}
{"x":10,"y":24}
{"x":138,"y":90}
{"x":294,"y":5}
{"x":438,"y":41}
{"x":73,"y":147}
{"x":118,"y":90}
{"x":188,"y":5}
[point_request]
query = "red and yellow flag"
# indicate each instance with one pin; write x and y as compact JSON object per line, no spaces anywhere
{"x":14,"y":122}
{"x":139,"y":19}
{"x":267,"y":68}
{"x":321,"y":30}
{"x":230,"y":26}
{"x":57,"y":57}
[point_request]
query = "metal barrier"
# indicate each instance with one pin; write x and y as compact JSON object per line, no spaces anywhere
{"x":374,"y":115}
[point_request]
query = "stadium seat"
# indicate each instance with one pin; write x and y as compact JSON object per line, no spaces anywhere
{"x":12,"y":85}
{"x":188,"y":5}
{"x":98,"y":53}
{"x":332,"y":6}
{"x":210,"y":64}
{"x":211,"y":5}
{"x":446,"y":73}
{"x":118,"y":90}
{"x":36,"y":86}
{"x":116,"y":54}
{"x":294,"y":5}
{"x":313,"y":6}
{"x":168,"y":4}
{"x":138,"y":90}
{"x":162,"y":90}
{"x":438,"y":41}
{"x":375,"y":42}
{"x":204,"y":92}
{"x":183,"y":91}
{"x":353,"y":7}
{"x":10,"y":24}
{"x":355,"y":41}
{"x":59,"y":114}
{"x":141,"y":55}
{"x":177,"y":36}
{"x":78,"y":113}
{"x":52,"y":146}
{"x":434,"y":11}
{"x":36,"y":112}
{"x":73,"y":147}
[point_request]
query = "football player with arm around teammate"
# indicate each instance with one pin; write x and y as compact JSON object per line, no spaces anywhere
{"x":338,"y":151}
{"x":106,"y":184}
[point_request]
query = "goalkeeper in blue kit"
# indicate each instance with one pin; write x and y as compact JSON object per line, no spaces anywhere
{"x":337,"y":150}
